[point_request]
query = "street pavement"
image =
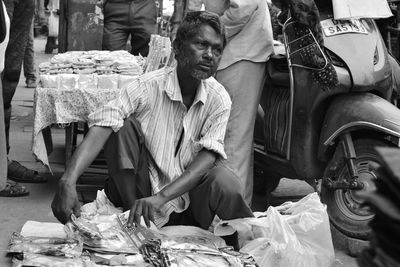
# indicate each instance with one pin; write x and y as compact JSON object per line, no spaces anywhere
{"x":16,"y":211}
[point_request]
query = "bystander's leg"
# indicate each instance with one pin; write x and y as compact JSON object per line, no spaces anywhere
{"x":29,"y":62}
{"x":116,"y":30}
{"x":7,"y":188}
{"x":142,"y":25}
{"x":21,"y":16}
{"x":244,"y":82}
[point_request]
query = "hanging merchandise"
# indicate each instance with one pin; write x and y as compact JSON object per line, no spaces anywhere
{"x":53,"y":24}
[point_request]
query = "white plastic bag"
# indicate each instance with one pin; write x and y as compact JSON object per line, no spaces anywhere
{"x":300,"y":236}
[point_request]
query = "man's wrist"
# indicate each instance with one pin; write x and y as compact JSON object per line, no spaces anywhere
{"x":63,"y":182}
{"x":163,"y":198}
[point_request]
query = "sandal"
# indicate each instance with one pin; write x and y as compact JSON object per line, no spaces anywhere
{"x":13,"y":190}
{"x":22,"y":174}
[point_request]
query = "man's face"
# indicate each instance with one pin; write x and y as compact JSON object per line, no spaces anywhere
{"x":201,"y":55}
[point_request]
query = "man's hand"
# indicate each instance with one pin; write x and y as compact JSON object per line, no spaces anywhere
{"x":145,"y":207}
{"x":65,"y":202}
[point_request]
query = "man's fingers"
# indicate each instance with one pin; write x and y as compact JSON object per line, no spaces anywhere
{"x":138,"y":212}
{"x":145,"y":215}
{"x":60,"y":213}
{"x":151,"y":214}
{"x":62,"y":216}
{"x":76,"y":209}
{"x":131,"y":213}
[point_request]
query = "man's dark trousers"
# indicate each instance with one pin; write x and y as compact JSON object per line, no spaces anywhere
{"x":219,"y":192}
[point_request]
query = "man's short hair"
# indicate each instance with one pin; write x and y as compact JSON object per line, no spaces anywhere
{"x":191,"y":24}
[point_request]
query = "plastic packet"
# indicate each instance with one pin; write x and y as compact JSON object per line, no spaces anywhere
{"x":192,"y":234}
{"x":37,"y":260}
{"x":189,"y":254}
{"x":70,"y":248}
{"x":102,"y":233}
{"x":138,"y":233}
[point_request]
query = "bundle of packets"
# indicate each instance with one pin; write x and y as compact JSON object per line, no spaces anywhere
{"x":165,"y":253}
{"x":105,"y":233}
{"x":103,"y":228}
{"x":45,"y":251}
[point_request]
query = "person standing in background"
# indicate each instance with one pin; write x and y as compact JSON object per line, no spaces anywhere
{"x":7,"y":188}
{"x":29,"y":61}
{"x":52,"y":8}
{"x":124,"y":18}
{"x":21,"y":14}
{"x":241,"y":71}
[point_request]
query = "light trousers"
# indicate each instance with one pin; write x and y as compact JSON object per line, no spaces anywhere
{"x":244,"y":81}
{"x":3,"y":144}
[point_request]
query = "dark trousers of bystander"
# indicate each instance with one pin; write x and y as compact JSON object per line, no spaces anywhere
{"x":21,"y":15}
{"x":29,"y":60}
{"x":124,"y":18}
{"x":219,"y":192}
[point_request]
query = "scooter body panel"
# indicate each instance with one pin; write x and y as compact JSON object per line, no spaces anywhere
{"x":365,"y":56}
{"x":357,"y":111}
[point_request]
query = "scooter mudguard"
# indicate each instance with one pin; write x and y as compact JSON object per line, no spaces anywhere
{"x":358,"y":111}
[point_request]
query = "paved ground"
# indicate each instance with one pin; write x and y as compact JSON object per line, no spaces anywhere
{"x":16,"y":211}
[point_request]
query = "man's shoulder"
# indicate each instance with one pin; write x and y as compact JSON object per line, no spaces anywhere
{"x":217,"y":91}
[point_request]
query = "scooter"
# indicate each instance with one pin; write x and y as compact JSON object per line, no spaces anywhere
{"x":324,"y":109}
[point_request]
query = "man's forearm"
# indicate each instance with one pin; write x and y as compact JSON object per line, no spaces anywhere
{"x":191,"y":177}
{"x":86,"y":153}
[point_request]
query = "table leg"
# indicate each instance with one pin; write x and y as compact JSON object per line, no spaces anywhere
{"x":48,"y":140}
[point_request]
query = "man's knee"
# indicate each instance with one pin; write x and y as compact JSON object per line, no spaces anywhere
{"x":130,"y":132}
{"x":126,"y":146}
{"x":225,"y":181}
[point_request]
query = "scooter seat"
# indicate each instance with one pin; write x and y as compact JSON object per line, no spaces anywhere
{"x":278,"y":71}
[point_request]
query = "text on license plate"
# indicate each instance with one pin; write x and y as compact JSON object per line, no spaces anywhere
{"x":334,"y":27}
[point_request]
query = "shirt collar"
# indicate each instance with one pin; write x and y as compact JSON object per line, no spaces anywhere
{"x":173,"y":89}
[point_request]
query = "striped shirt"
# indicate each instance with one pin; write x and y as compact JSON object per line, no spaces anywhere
{"x":173,"y":134}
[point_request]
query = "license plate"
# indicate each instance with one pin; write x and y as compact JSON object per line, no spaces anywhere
{"x":335,"y":27}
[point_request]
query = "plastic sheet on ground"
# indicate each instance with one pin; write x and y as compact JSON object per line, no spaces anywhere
{"x":293,"y":234}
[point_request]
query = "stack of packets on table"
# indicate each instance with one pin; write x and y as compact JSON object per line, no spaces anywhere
{"x":108,"y":241}
{"x":94,"y":61}
{"x":90,"y":70}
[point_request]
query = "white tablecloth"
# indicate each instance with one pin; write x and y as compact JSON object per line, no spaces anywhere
{"x":55,"y":105}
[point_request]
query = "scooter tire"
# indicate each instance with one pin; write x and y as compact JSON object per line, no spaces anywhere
{"x":344,"y":207}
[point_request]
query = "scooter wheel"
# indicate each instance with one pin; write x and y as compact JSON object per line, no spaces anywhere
{"x":344,"y":207}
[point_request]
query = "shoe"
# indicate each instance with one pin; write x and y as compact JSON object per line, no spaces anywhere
{"x":13,"y":189}
{"x":31,"y":84}
{"x":22,"y":174}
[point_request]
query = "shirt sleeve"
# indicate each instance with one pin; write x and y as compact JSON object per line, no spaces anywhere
{"x":131,"y":99}
{"x":214,"y":133}
{"x":237,"y":16}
